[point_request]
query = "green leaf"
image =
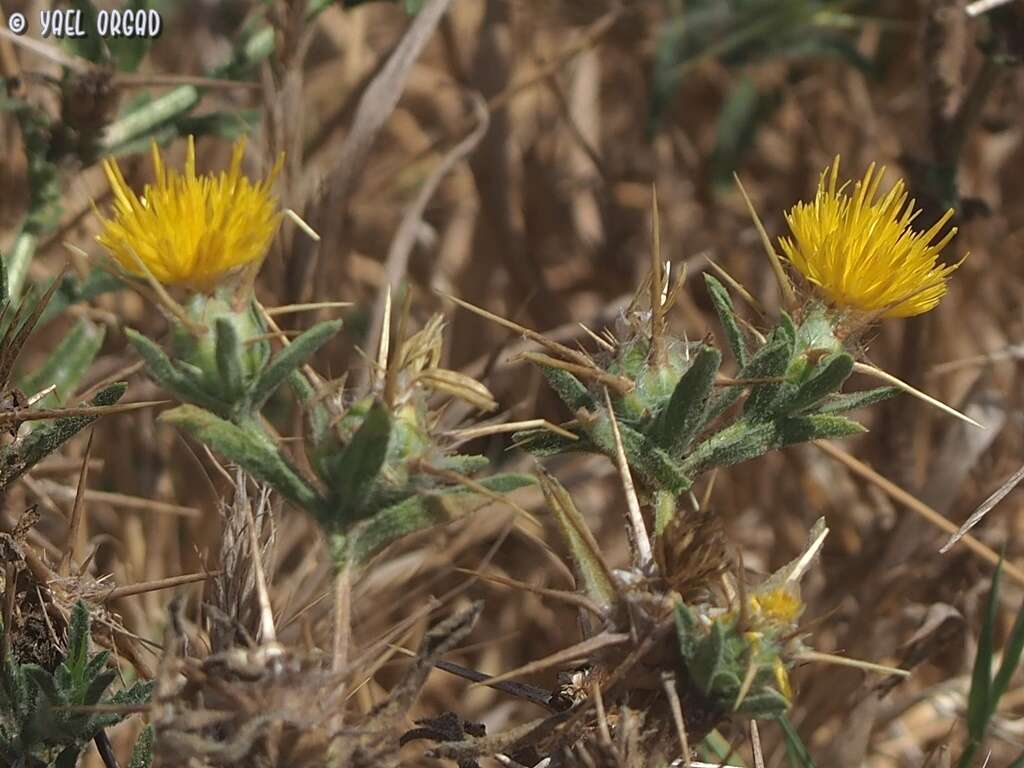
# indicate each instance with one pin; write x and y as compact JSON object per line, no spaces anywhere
{"x":767,"y":703}
{"x":543,"y":443}
{"x":351,"y":472}
{"x":149,"y":118}
{"x":766,"y":358}
{"x":318,"y":417}
{"x":227,"y":124}
{"x":684,"y":415}
{"x":229,"y":363}
{"x":74,"y":290}
{"x":569,"y":389}
{"x":43,"y":682}
{"x":179,"y":384}
{"x":799,"y":756}
{"x":464,"y":464}
{"x":800,"y":429}
{"x":77,"y":657}
{"x":68,"y":758}
{"x":591,"y":577}
{"x":665,"y":510}
{"x":727,"y":316}
{"x":1011,"y":659}
{"x":128,"y":52}
{"x":736,"y":443}
{"x":709,"y":658}
{"x":656,"y":469}
{"x":142,"y":752}
{"x":97,"y":687}
{"x":827,"y":378}
{"x":979,"y":699}
{"x":90,"y":46}
{"x":289,"y":359}
{"x":67,"y":363}
{"x":97,"y":664}
{"x":423,"y":510}
{"x":250,"y":449}
{"x":139,"y":693}
{"x":770,"y":362}
{"x":855,"y":400}
{"x":24,"y":453}
{"x":688,"y":631}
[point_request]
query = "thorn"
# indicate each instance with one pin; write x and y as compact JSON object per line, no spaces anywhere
{"x":539,"y":338}
{"x":41,"y":395}
{"x":755,"y":744}
{"x":289,"y":308}
{"x":153,"y":586}
{"x":748,"y":682}
{"x":917,"y":506}
{"x":668,"y":682}
{"x":785,"y":286}
{"x":570,"y":598}
{"x":470,"y":433}
{"x":706,"y":497}
{"x":164,"y":298}
{"x":311,"y":233}
{"x":26,"y":414}
{"x":843,"y":661}
{"x":804,"y":562}
{"x":620,"y":384}
{"x":602,"y":715}
{"x":596,"y":338}
{"x":76,"y":511}
{"x":644,"y":554}
{"x":385,"y":334}
{"x":658,"y":287}
{"x":888,"y":378}
{"x":984,"y":509}
{"x":737,"y":286}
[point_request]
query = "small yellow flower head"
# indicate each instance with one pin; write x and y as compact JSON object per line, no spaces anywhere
{"x":190,"y":230}
{"x":860,"y":250}
{"x":780,"y":605}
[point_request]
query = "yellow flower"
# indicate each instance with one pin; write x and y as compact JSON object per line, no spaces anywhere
{"x":190,"y":230}
{"x":861,"y":252}
{"x":778,"y":606}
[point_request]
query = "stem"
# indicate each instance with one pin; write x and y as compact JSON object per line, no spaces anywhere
{"x":106,"y":750}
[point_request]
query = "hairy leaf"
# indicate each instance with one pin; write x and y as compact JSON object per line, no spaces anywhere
{"x":248,"y":448}
{"x":289,"y":359}
{"x":684,"y":415}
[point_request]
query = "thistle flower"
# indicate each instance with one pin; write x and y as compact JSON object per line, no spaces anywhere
{"x":186,"y":229}
{"x":860,"y":251}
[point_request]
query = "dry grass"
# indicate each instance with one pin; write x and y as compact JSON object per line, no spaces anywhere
{"x":545,"y":218}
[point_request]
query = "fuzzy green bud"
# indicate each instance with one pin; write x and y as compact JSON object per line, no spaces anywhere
{"x":232,"y":351}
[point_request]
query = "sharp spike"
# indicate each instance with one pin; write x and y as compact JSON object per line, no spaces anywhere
{"x":788,"y":294}
{"x":888,"y":378}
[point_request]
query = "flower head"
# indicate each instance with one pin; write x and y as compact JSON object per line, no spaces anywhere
{"x":186,"y":229}
{"x":860,"y":251}
{"x":778,"y":605}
